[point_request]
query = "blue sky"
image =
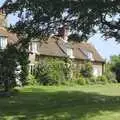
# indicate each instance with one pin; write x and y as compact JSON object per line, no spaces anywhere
{"x":1,"y":2}
{"x":105,"y":48}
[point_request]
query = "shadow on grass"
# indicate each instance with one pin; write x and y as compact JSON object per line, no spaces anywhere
{"x":59,"y":105}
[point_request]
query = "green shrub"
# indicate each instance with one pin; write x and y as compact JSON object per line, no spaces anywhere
{"x":57,"y":70}
{"x":115,"y":66}
{"x":91,"y":80}
{"x":42,"y":74}
{"x":102,"y":79}
{"x":31,"y":80}
{"x":81,"y":80}
{"x":51,"y":72}
{"x":87,"y":70}
{"x":110,"y":76}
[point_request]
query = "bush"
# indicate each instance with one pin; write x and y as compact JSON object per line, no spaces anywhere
{"x":57,"y":70}
{"x":31,"y":80}
{"x":115,"y":66}
{"x":42,"y":74}
{"x":91,"y":80}
{"x":81,"y":81}
{"x":102,"y":79}
{"x":110,"y":76}
{"x":51,"y":72}
{"x":87,"y":70}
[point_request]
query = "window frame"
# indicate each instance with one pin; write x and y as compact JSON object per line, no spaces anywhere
{"x":3,"y":42}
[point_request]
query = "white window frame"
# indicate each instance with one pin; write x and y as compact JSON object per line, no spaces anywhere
{"x":90,"y":55}
{"x":3,"y":42}
{"x":70,"y":52}
{"x":33,"y":47}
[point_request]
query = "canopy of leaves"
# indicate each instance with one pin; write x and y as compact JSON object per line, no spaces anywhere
{"x":8,"y":66}
{"x":43,"y":17}
{"x":115,"y":66}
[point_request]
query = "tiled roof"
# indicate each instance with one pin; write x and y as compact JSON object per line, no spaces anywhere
{"x":12,"y":38}
{"x":51,"y":48}
{"x":79,"y":48}
{"x":55,"y":47}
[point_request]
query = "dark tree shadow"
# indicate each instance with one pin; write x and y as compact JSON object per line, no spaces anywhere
{"x":61,"y":105}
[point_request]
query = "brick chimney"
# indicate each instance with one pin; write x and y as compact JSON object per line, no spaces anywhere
{"x":63,"y":32}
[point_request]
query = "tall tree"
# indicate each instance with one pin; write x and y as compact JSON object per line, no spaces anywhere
{"x":115,"y":66}
{"x":40,"y":18}
{"x":8,"y":65}
{"x":43,"y":17}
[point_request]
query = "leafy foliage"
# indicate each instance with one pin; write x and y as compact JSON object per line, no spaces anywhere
{"x":87,"y":70}
{"x":115,"y":66}
{"x":41,"y":73}
{"x":75,"y":37}
{"x":8,"y":67}
{"x":10,"y":58}
{"x":43,"y":17}
{"x":102,"y":79}
{"x":23,"y":60}
{"x":81,"y":81}
{"x":110,"y":75}
{"x":51,"y":71}
{"x":40,"y":18}
{"x":31,"y":80}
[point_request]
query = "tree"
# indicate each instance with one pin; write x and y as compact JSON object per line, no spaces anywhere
{"x":8,"y":67}
{"x":43,"y":17}
{"x":115,"y":66}
{"x":40,"y":18}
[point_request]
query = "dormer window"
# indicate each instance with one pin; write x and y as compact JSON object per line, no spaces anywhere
{"x":90,"y":55}
{"x":70,"y":52}
{"x":33,"y":47}
{"x":3,"y":42}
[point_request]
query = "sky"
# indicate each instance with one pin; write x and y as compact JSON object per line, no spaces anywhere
{"x":105,"y":48}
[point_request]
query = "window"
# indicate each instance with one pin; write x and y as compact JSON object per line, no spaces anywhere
{"x":70,"y":52}
{"x":3,"y":42}
{"x":90,"y":55}
{"x":95,"y":71}
{"x":34,"y":47}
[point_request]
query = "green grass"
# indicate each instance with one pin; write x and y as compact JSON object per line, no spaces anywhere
{"x":97,"y":102}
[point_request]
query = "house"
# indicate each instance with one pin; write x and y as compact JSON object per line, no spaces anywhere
{"x":57,"y":46}
{"x":5,"y":36}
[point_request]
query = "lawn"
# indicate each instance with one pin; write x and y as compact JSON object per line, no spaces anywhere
{"x":97,"y":102}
